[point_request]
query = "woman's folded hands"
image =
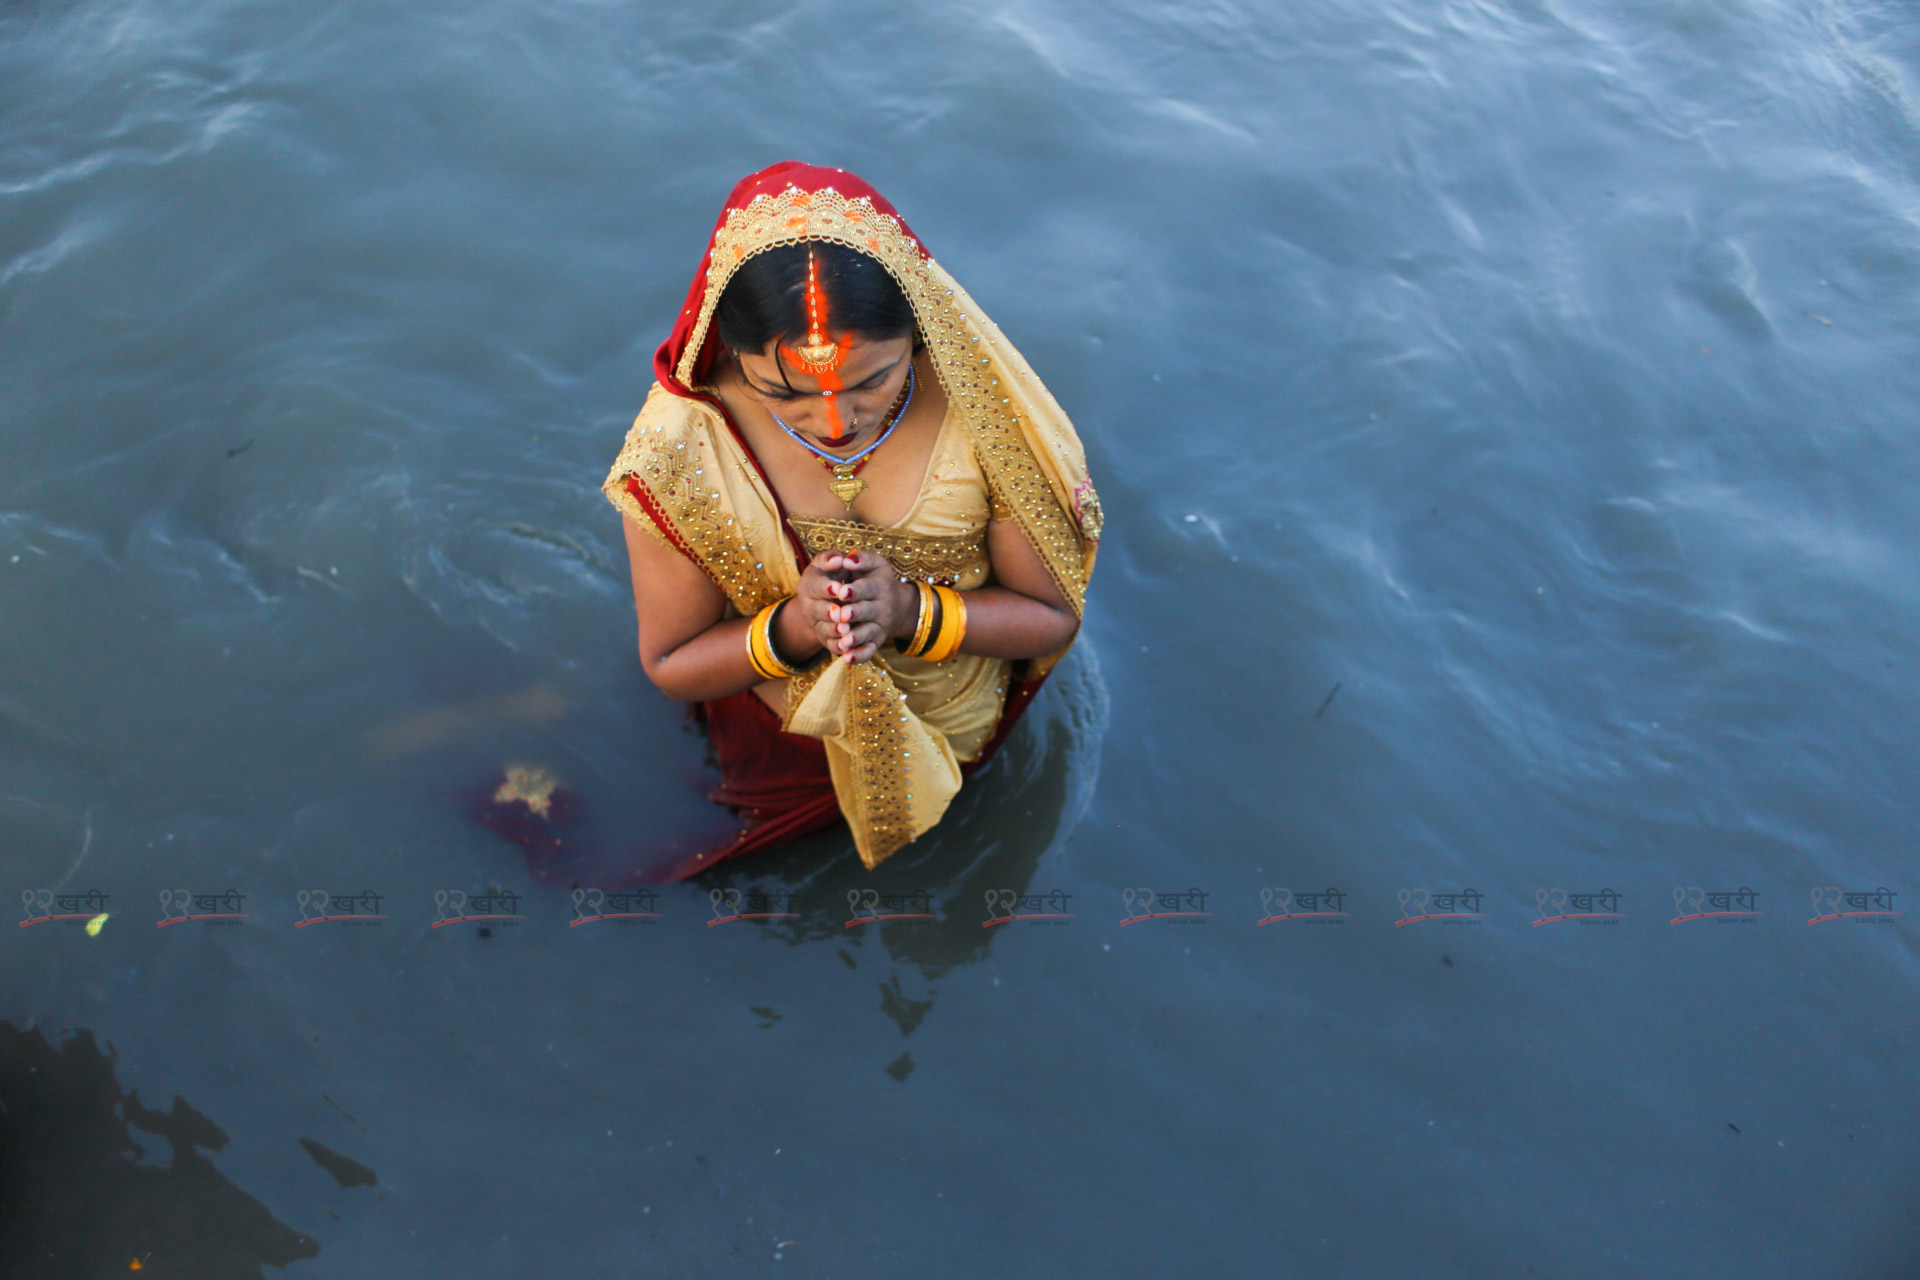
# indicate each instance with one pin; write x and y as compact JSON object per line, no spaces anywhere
{"x":851,"y":604}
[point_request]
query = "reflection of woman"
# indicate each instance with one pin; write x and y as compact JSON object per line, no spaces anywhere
{"x":860,"y":528}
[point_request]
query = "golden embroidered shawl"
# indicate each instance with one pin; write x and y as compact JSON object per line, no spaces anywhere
{"x":686,"y":474}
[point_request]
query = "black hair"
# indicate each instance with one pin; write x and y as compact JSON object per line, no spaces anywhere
{"x":767,"y":297}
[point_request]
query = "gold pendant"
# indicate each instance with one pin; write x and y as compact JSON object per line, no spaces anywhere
{"x":817,"y":357}
{"x":845,"y":485}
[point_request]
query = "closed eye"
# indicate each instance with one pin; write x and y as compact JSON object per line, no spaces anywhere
{"x":783,"y":394}
{"x":875,"y":380}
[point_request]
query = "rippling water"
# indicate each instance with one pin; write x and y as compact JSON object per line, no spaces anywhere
{"x":1505,"y":417}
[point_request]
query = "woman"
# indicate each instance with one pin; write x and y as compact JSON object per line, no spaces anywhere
{"x":860,"y":528}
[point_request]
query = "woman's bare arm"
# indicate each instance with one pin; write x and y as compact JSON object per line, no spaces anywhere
{"x":1024,"y":615}
{"x":688,"y":645}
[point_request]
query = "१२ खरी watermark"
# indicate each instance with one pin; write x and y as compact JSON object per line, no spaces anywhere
{"x":178,"y":906}
{"x":1322,"y":905}
{"x":730,"y":906}
{"x":495,"y":906}
{"x":1731,"y":906}
{"x":1461,"y":908}
{"x":1863,"y":906}
{"x":1009,"y":906}
{"x":590,"y":906}
{"x":44,"y":906}
{"x":870,"y":906}
{"x":1557,"y":905}
{"x":317,"y":906}
{"x":1142,"y":905}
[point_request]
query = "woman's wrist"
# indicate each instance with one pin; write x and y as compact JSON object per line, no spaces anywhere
{"x":906,"y":612}
{"x":793,"y":635}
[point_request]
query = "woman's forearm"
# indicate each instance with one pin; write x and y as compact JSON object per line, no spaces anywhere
{"x":1002,"y":623}
{"x":714,"y":664}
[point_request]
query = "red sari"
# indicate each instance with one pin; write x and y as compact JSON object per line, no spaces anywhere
{"x":779,"y":782}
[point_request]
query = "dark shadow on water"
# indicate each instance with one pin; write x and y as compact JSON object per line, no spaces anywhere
{"x":992,"y":842}
{"x":994,"y":838}
{"x":77,"y":1202}
{"x":348,"y":1173}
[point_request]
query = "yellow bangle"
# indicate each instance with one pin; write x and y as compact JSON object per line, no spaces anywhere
{"x":923,"y":627}
{"x":760,"y":651}
{"x":953,"y":626}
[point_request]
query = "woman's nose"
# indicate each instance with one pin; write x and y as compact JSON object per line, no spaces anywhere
{"x":831,"y":415}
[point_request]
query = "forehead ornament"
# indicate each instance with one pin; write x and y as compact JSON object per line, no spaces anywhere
{"x":818,"y":354}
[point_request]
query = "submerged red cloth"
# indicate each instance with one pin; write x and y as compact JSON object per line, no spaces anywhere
{"x":779,"y":781}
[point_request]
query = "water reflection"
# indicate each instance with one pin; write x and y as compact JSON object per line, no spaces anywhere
{"x":1045,"y":776}
{"x":80,"y":1200}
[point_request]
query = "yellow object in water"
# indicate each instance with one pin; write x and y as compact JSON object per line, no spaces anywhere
{"x":96,"y":924}
{"x":531,"y":785}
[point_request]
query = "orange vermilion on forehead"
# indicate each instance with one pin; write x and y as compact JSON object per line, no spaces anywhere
{"x":819,"y":355}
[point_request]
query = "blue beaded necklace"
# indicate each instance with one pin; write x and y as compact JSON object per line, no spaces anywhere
{"x":846,"y":484}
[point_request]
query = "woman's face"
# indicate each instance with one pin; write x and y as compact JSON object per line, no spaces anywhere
{"x":862,"y":389}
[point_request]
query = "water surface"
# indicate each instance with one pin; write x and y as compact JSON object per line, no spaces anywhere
{"x":1504,"y":414}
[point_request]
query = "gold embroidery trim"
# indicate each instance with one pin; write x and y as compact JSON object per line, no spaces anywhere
{"x":671,"y":472}
{"x":798,"y":687}
{"x":1000,"y":508}
{"x":794,"y":216}
{"x":875,"y":711}
{"x":928,"y":557}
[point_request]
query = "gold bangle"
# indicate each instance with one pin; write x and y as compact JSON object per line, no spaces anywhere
{"x":760,"y":651}
{"x":923,"y":627}
{"x":927,"y":631}
{"x":953,"y":626}
{"x":753,"y":644}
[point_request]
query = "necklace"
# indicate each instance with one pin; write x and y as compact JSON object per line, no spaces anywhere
{"x":846,"y":484}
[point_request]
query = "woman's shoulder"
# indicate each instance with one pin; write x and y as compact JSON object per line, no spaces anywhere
{"x":666,"y":423}
{"x":668,"y":431}
{"x":668,"y":418}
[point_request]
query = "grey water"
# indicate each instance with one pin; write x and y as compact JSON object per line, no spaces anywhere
{"x":1505,"y":414}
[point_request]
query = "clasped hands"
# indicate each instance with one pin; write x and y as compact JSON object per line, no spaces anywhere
{"x":848,"y":605}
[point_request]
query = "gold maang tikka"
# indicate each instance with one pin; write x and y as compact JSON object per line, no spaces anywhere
{"x":819,"y":355}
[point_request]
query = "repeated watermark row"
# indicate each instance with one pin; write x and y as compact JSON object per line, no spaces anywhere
{"x":1128,"y":907}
